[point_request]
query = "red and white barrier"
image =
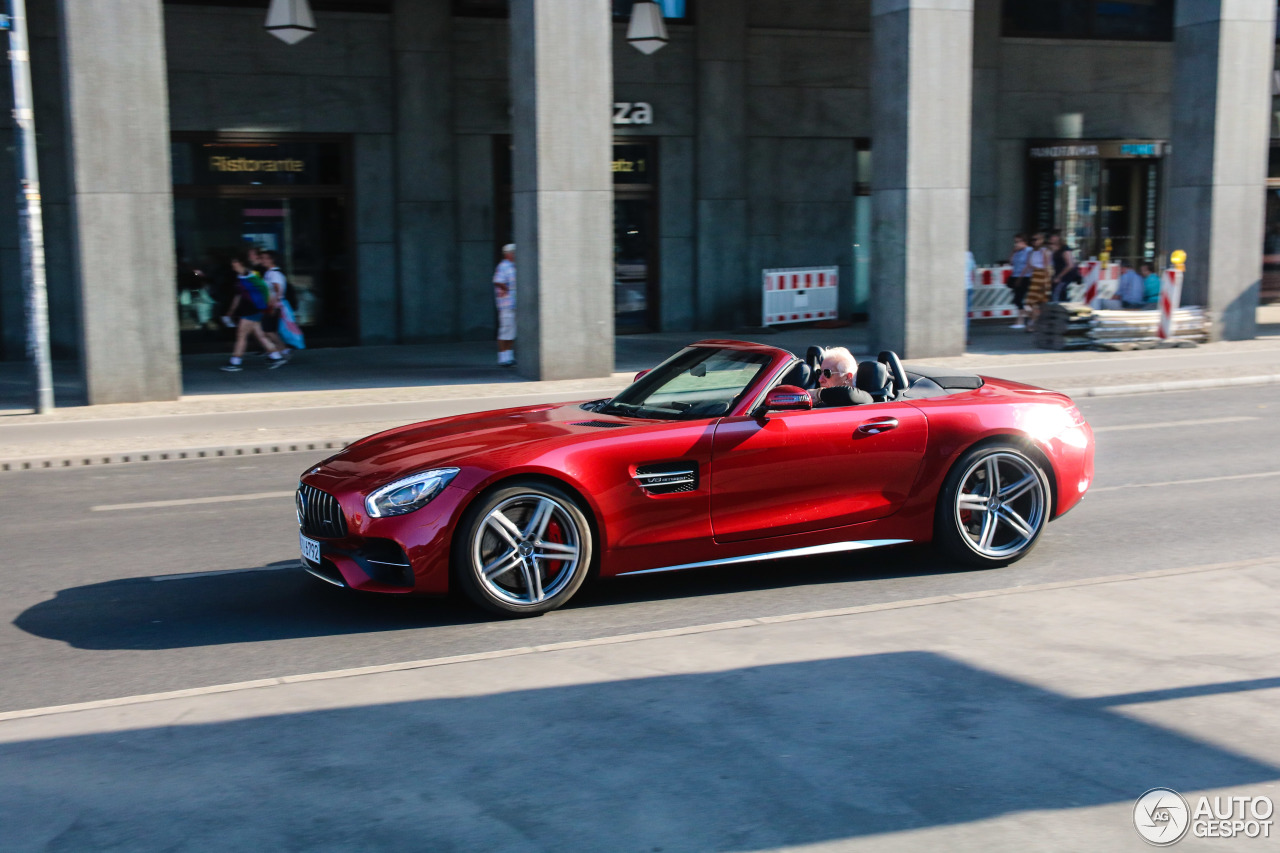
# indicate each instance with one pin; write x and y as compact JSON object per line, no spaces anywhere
{"x":1098,"y":282}
{"x":993,"y":298}
{"x":800,"y":294}
{"x":991,"y":295}
{"x":1170,"y":297}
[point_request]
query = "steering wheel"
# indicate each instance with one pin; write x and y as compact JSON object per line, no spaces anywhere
{"x":890,"y":359}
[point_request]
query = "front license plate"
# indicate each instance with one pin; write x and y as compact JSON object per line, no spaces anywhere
{"x":310,"y":549}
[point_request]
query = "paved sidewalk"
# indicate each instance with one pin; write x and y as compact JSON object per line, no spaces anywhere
{"x":326,"y":397}
{"x":1008,"y":720}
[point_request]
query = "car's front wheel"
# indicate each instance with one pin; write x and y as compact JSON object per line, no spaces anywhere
{"x":994,"y":504}
{"x":523,"y":549}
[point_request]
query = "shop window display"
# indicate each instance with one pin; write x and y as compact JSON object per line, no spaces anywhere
{"x":289,"y":196}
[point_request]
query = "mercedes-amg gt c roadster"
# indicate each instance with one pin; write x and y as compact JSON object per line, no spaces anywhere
{"x":722,"y":454}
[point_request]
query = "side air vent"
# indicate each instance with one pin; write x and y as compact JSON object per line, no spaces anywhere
{"x":667,"y":478}
{"x":602,"y":424}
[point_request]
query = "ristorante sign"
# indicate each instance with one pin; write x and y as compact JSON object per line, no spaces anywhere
{"x":287,"y":162}
{"x":220,"y":163}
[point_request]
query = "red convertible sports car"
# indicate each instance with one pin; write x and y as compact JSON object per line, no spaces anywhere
{"x":719,"y":455}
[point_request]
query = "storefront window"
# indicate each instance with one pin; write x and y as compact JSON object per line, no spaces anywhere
{"x":285,"y":195}
{"x":1129,"y":20}
{"x":1271,"y":238}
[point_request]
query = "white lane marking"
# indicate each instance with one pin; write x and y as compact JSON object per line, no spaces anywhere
{"x":1187,"y":482}
{"x":626,"y":638}
{"x":220,"y":499}
{"x":193,"y":575}
{"x":1162,"y":424}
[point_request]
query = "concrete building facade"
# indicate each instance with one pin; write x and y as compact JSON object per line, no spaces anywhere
{"x":390,"y":154}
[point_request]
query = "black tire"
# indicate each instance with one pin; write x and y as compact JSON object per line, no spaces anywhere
{"x":1021,"y":511}
{"x":524,"y":577}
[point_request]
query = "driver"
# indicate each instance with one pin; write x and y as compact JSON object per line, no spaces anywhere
{"x":838,"y":370}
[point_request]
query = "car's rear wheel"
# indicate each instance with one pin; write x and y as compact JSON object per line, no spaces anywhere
{"x":523,"y":549}
{"x":993,"y":506}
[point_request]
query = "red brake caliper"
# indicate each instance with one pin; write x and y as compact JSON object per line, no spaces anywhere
{"x":554,"y":534}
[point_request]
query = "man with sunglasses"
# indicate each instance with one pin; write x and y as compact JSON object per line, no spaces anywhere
{"x":838,"y":370}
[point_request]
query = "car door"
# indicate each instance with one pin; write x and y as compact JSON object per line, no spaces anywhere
{"x":794,"y":472}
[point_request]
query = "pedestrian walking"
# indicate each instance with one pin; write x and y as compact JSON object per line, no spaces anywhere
{"x":278,"y":322}
{"x":1065,"y":271}
{"x":1020,"y":277}
{"x":504,"y":297}
{"x":251,"y":301}
{"x":1040,"y":262}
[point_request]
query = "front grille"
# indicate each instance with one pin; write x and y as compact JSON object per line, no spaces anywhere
{"x":319,"y":514}
{"x":666,"y":478}
{"x":605,"y":424}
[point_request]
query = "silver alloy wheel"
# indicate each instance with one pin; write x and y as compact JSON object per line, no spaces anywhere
{"x":526,"y":549}
{"x":1000,"y":505}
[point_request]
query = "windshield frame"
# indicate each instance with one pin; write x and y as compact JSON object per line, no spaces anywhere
{"x":766,"y":373}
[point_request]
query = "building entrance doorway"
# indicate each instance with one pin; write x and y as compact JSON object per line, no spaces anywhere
{"x":635,"y":228}
{"x":286,"y":194}
{"x":1098,"y":191}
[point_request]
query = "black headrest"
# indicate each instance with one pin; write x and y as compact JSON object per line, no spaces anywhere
{"x":842,"y":395}
{"x":797,"y":376}
{"x":873,"y":377}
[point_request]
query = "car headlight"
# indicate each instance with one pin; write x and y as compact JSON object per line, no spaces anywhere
{"x":409,"y":494}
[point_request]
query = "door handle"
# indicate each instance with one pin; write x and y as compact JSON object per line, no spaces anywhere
{"x":878,"y":426}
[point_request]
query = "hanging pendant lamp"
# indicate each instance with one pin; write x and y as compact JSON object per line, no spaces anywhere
{"x":290,"y":20}
{"x":647,"y":31}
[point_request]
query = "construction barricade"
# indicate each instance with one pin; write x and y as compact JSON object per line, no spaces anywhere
{"x":800,"y":294}
{"x":992,"y":296}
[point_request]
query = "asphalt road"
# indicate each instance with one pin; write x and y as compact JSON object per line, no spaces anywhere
{"x":101,"y":603}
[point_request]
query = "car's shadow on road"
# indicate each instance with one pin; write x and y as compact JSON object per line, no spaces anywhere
{"x":282,"y":602}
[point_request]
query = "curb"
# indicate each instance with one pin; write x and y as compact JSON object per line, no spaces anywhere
{"x":1174,"y":385}
{"x":80,"y":460}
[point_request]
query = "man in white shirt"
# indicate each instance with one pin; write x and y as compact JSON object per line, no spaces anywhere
{"x":504,"y":297}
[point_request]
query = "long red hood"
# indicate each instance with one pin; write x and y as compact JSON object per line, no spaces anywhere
{"x":503,"y":438}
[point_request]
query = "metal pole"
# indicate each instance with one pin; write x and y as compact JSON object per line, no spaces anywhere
{"x":31,"y":220}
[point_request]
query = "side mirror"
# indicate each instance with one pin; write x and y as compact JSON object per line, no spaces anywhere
{"x":787,"y":398}
{"x":640,"y":375}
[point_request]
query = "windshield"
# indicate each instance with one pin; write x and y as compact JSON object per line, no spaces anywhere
{"x":697,"y":382}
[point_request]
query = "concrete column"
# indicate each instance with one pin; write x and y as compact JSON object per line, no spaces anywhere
{"x":723,"y":280}
{"x":1223,"y":53}
{"x":425,"y":213}
{"x":561,"y":92}
{"x":121,"y":193}
{"x":921,"y":68}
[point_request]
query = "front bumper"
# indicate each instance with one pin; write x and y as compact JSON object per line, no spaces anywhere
{"x":403,"y":554}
